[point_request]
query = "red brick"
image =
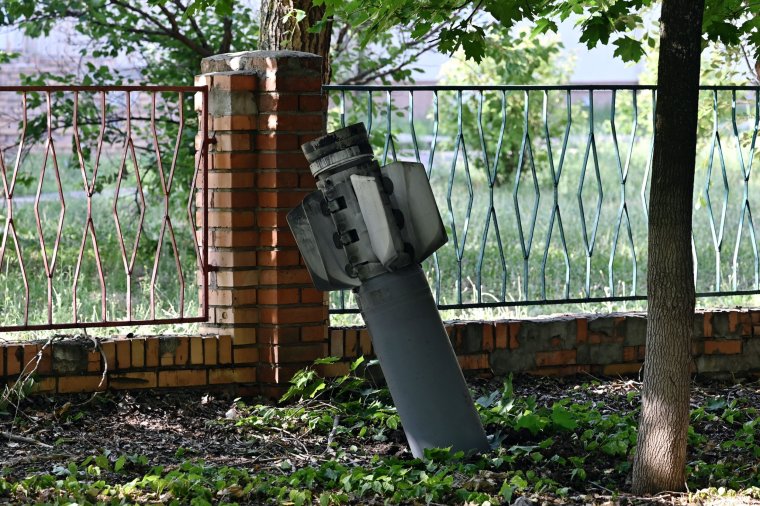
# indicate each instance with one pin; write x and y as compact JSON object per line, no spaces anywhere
{"x":276,"y":238}
{"x":93,"y":361}
{"x":232,"y":142}
{"x":351,"y":343}
{"x":294,"y":276}
{"x":278,"y":296}
{"x":182,"y":352}
{"x":601,"y":338}
{"x":229,"y":219}
{"x":336,"y":342}
{"x":123,"y":354}
{"x":224,"y":345}
{"x":474,"y":362}
{"x":314,"y":333}
{"x":130,"y":380}
{"x":302,"y":353}
{"x":237,"y":278}
{"x":232,"y":258}
{"x":235,"y":82}
{"x":236,"y":160}
{"x":270,"y":102}
{"x":272,"y":219}
{"x":292,"y":122}
{"x":229,"y":199}
{"x":45,"y":385}
{"x":488,"y":338}
{"x":236,"y":315}
{"x":581,"y":335}
{"x":209,"y":350}
{"x":138,"y":352}
{"x":277,"y":179}
{"x":243,"y":335}
{"x":2,"y":361}
{"x":186,"y":378}
{"x":365,"y":342}
{"x":233,"y":239}
{"x":306,"y":180}
{"x":293,"y":315}
{"x":707,"y":328}
{"x":167,"y":358}
{"x":280,"y":335}
{"x":313,"y":296}
{"x":312,"y":103}
{"x":560,"y":357}
{"x":277,"y":141}
{"x":108,"y":348}
{"x":29,"y":362}
{"x":46,"y":362}
{"x":727,"y":347}
{"x":281,"y":199}
{"x":514,"y":332}
{"x":283,"y":82}
{"x":232,"y":375}
{"x":234,"y":123}
{"x":245,"y":355}
{"x":630,"y":353}
{"x":733,"y":321}
{"x":228,"y":179}
{"x":280,"y":160}
{"x":76,"y":384}
{"x":502,"y":336}
{"x":219,"y":297}
{"x":196,"y":350}
{"x":152,"y":358}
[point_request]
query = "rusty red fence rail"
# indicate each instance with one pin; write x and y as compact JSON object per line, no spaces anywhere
{"x":93,"y":118}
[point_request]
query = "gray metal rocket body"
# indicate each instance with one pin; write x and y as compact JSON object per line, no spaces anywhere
{"x":368,"y":228}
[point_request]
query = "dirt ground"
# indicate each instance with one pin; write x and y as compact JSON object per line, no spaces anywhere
{"x":46,"y":432}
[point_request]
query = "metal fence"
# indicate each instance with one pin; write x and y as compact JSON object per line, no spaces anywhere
{"x":544,"y":189}
{"x":100,"y":221}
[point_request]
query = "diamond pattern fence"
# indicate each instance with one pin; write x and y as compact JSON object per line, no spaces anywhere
{"x":102,"y":206}
{"x":544,"y":189}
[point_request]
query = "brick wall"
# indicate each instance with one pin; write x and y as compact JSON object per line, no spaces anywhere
{"x":77,"y":365}
{"x":726,"y":343}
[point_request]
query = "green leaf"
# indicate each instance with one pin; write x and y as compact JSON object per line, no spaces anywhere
{"x":326,"y":360}
{"x":563,"y":418}
{"x":628,"y":49}
{"x":356,"y":363}
{"x":421,"y":29}
{"x":119,"y":464}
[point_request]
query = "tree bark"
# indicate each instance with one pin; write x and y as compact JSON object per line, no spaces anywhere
{"x":661,"y":447}
{"x":280,"y":31}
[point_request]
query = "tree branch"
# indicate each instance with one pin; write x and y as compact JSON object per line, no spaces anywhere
{"x":226,"y":43}
{"x":193,"y":24}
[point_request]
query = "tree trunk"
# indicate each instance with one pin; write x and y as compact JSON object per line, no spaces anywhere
{"x":661,"y":448}
{"x":279,"y":30}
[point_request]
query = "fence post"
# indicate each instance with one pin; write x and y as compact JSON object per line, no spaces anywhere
{"x":263,"y":105}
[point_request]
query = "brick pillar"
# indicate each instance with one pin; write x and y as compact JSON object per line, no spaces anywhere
{"x":263,"y":105}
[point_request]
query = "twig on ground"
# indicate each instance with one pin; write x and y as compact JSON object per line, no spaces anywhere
{"x":22,"y":439}
{"x":333,"y":431}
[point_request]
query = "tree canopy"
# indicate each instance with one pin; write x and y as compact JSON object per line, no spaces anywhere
{"x":615,"y":22}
